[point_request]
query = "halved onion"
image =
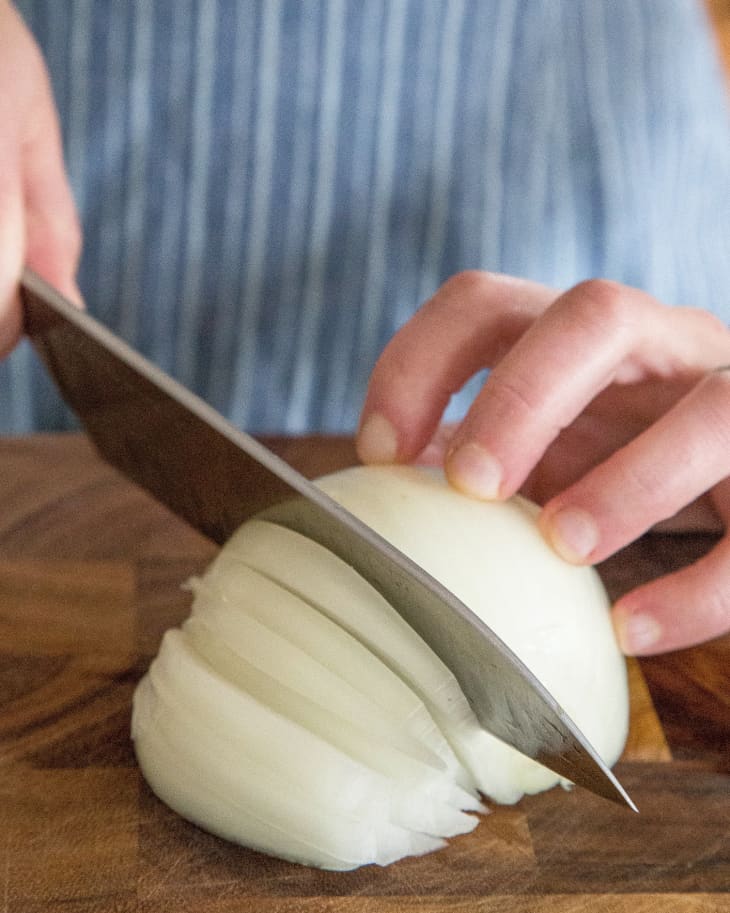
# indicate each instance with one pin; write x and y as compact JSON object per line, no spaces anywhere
{"x":298,"y":714}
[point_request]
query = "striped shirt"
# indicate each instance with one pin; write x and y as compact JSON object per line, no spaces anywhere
{"x":270,"y":188}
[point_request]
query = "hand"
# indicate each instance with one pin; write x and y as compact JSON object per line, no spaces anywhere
{"x":38,"y":222}
{"x":603,"y":405}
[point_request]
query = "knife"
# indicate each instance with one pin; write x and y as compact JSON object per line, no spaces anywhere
{"x":214,"y":476}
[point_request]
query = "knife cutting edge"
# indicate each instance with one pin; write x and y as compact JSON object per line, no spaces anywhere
{"x":215,"y":477}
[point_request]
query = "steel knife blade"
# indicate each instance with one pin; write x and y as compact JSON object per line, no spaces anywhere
{"x":214,"y":476}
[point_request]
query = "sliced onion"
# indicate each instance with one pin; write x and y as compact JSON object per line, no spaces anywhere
{"x":298,"y":714}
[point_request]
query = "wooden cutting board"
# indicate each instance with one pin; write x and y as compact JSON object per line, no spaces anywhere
{"x":90,"y":574}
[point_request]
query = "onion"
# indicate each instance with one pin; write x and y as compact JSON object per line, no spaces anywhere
{"x":296,"y":712}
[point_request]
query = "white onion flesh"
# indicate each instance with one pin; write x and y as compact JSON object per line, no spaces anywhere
{"x":298,"y":714}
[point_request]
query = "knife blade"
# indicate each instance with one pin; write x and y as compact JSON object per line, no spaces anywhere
{"x":214,"y":476}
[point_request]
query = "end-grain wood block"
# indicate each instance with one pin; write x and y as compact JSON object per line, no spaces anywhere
{"x":70,"y":836}
{"x":65,"y":606}
{"x":86,"y":593}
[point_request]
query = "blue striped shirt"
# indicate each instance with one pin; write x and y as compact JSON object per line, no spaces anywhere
{"x":270,"y":188}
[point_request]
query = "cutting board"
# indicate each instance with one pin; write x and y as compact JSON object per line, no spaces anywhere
{"x":90,"y":574}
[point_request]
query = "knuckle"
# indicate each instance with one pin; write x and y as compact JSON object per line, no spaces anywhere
{"x":515,"y":398}
{"x":646,"y":484}
{"x":467,"y":293}
{"x":467,"y":283}
{"x":602,"y":301}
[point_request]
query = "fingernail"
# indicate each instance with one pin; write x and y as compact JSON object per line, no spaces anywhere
{"x":637,"y":634}
{"x":377,"y":441}
{"x":573,"y":533}
{"x":474,"y":470}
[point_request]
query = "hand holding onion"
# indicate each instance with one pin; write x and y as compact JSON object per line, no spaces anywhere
{"x":603,"y":405}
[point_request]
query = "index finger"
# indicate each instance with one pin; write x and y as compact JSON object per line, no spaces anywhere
{"x":468,"y":324}
{"x":596,"y":334}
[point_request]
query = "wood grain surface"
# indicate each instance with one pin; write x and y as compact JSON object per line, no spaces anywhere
{"x":90,"y":574}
